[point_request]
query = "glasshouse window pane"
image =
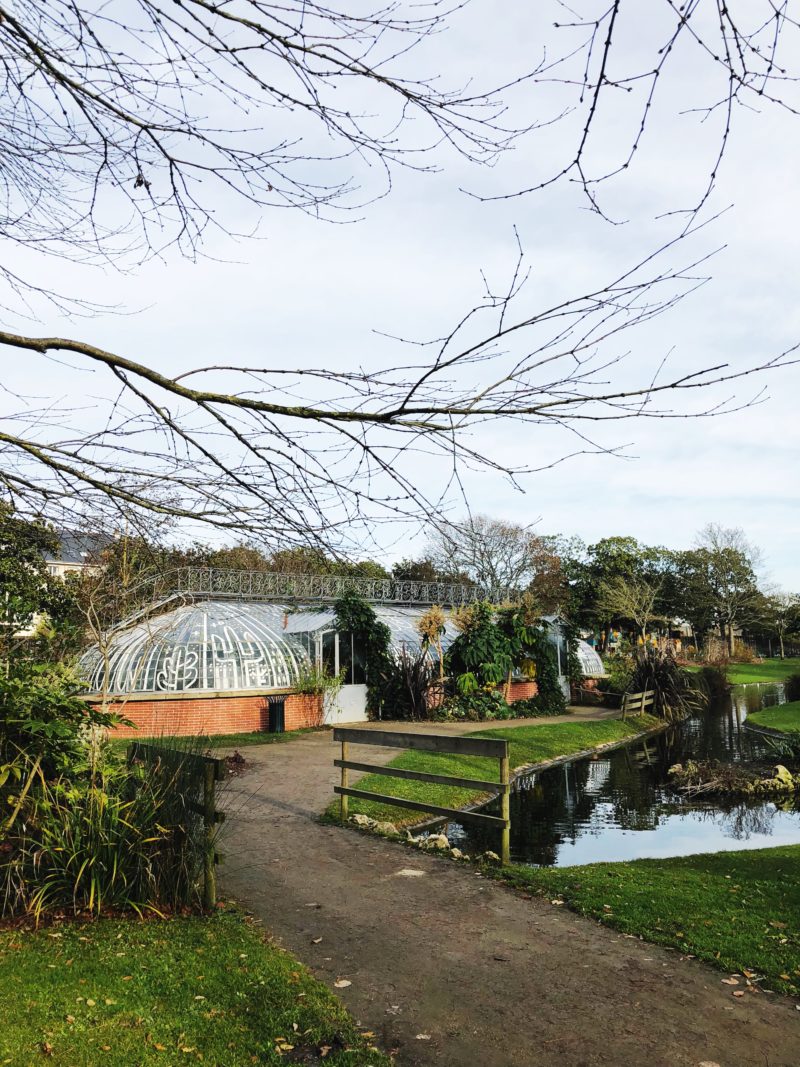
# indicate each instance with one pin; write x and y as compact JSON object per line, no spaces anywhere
{"x":329,"y":653}
{"x":346,"y":657}
{"x":359,"y":663}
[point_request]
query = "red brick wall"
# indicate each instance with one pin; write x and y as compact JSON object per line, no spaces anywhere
{"x":522,"y":691}
{"x":186,"y":716}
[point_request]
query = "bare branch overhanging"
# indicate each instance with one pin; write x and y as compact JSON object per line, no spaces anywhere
{"x":253,"y":459}
{"x":103,"y":108}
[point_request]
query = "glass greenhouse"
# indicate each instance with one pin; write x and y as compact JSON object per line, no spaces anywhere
{"x":211,"y":645}
{"x":237,"y":645}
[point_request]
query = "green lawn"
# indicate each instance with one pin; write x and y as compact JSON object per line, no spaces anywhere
{"x":215,"y":741}
{"x":737,"y":910}
{"x":769,"y":670}
{"x":783,"y":717}
{"x":529,"y":744}
{"x":124,"y":992}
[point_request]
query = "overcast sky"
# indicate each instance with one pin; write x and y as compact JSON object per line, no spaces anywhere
{"x":313,"y":293}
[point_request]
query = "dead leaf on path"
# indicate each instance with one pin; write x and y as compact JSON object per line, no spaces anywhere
{"x":423,"y":1037}
{"x":738,"y":992}
{"x":708,"y":1063}
{"x":342,"y":983}
{"x":315,"y":940}
{"x":730,"y":981}
{"x":556,"y":901}
{"x":748,"y":974}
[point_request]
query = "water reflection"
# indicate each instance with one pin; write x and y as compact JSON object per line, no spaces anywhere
{"x":622,"y":806}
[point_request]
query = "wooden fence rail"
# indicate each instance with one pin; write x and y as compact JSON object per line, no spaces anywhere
{"x":441,"y":743}
{"x":637,"y":703}
{"x":203,"y":769}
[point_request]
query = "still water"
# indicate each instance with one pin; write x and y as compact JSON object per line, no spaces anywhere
{"x":621,"y":806}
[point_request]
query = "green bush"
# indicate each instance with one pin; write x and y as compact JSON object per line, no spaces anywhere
{"x":792,"y":687}
{"x":676,"y":695}
{"x":540,"y":707}
{"x":479,"y":706}
{"x":42,"y":720}
{"x":121,"y":837}
{"x":617,"y":680}
{"x":410,"y":685}
{"x":713,"y":682}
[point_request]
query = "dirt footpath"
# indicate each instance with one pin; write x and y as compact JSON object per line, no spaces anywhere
{"x":449,"y":968}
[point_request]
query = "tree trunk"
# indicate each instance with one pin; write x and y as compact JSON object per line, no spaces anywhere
{"x":731,"y":640}
{"x":780,"y":638}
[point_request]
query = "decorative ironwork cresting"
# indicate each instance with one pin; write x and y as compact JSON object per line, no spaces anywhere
{"x":266,"y":585}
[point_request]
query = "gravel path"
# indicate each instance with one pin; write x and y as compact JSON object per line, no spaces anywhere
{"x":449,"y":968}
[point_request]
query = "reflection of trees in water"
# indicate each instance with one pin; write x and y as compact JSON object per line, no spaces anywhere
{"x":629,"y":789}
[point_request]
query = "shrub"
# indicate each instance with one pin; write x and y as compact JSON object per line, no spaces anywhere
{"x":657,"y":669}
{"x":480,"y":706}
{"x":42,"y":720}
{"x":409,"y":686}
{"x":122,"y":837}
{"x":617,"y":680}
{"x":713,"y":682}
{"x":538,"y":708}
{"x":792,"y":687}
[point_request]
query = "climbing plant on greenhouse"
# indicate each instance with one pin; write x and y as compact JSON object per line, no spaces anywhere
{"x":354,"y":615}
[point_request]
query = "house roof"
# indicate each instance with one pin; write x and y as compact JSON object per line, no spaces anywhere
{"x":75,"y":547}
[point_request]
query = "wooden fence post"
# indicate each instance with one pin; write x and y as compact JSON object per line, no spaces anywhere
{"x":209,"y":829}
{"x":505,"y":809}
{"x":344,"y":799}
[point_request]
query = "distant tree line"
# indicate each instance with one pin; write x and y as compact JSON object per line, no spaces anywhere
{"x":615,"y":584}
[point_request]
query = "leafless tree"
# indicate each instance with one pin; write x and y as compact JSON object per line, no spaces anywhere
{"x":630,"y":598}
{"x":728,"y":566}
{"x":127,"y":125}
{"x":618,"y":65}
{"x":504,"y":558}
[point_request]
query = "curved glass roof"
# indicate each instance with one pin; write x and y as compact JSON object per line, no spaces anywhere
{"x":591,"y":664}
{"x":210,"y":645}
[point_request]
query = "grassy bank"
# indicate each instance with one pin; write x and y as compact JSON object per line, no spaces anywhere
{"x":528,"y":744}
{"x":216,"y":741}
{"x":122,"y":992}
{"x":737,"y":910}
{"x":784,"y":717}
{"x":769,"y":670}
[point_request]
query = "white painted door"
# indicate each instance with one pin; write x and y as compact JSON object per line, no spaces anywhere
{"x":349,"y":705}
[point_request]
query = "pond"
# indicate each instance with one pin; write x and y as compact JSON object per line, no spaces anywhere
{"x":621,"y":806}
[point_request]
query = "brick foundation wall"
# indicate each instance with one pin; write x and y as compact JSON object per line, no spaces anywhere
{"x":187,"y":716}
{"x":522,"y":691}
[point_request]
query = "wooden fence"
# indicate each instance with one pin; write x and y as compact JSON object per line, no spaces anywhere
{"x":637,"y":703}
{"x":205,"y":770}
{"x":441,"y":743}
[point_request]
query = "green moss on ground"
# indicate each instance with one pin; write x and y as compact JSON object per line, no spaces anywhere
{"x":737,"y":910}
{"x":785,"y":717}
{"x":528,"y":744}
{"x":185,"y":990}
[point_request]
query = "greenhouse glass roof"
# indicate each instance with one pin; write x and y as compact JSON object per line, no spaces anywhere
{"x":210,"y":645}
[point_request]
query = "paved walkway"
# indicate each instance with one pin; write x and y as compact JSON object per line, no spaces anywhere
{"x":451,"y":969}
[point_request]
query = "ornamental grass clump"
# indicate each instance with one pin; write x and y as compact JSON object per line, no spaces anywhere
{"x":656,"y":669}
{"x":115,"y":838}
